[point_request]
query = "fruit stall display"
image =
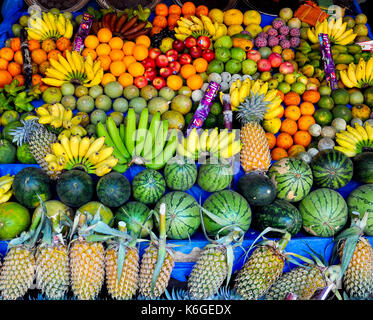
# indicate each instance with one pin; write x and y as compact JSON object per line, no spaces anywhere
{"x":106,"y":174}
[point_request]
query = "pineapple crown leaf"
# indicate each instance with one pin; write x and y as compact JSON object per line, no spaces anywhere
{"x":253,"y":108}
{"x":22,"y":134}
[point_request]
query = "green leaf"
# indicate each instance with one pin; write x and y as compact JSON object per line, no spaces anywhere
{"x":348,"y":251}
{"x":158,"y":267}
{"x":98,"y":238}
{"x":122,"y":251}
{"x":230,"y":260}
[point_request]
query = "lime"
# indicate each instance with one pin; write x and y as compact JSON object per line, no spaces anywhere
{"x":98,"y":116}
{"x":52,"y":95}
{"x":341,"y":96}
{"x":168,"y":93}
{"x":148,"y":92}
{"x":222,"y":54}
{"x":69,"y":102}
{"x":14,"y":219}
{"x":215,"y":66}
{"x":86,"y":104}
{"x":233,"y":66}
{"x":284,"y":87}
{"x":131,"y":92}
{"x":96,"y":91}
{"x":9,"y":116}
{"x":326,"y":102}
{"x":216,"y":108}
{"x":117,"y":117}
{"x":249,"y":67}
{"x":138,"y":104}
{"x":113,"y":89}
{"x":223,"y":42}
{"x":67,"y":89}
{"x":341,"y":111}
{"x":298,"y":87}
{"x":103,"y":102}
{"x":24,"y":155}
{"x":81,"y":91}
{"x":184,"y":90}
{"x":157,"y":104}
{"x":356,"y":97}
{"x":188,"y":117}
{"x":323,"y":117}
{"x":175,"y":119}
{"x":181,"y":103}
{"x":325,"y":90}
{"x":238,"y":54}
{"x":120,"y":105}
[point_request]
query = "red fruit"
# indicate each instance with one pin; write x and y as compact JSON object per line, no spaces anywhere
{"x":208,"y":55}
{"x":165,"y":72}
{"x":190,"y":42}
{"x":264,"y":65}
{"x":140,"y":82}
{"x":161,"y":61}
{"x":150,"y":74}
{"x":148,"y":63}
{"x":275,"y":59}
{"x":178,"y":45}
{"x":195,"y":52}
{"x":154,"y":53}
{"x":172,"y":55}
{"x":175,"y":67}
{"x":203,"y":42}
{"x":159,"y":83}
{"x":286,"y":67}
{"x":254,"y":55}
{"x":185,"y":58}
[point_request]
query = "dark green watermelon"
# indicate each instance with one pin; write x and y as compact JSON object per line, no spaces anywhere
{"x":324,"y":212}
{"x":29,"y":183}
{"x":363,"y":167}
{"x":331,"y":169}
{"x":113,"y":189}
{"x":75,"y":188}
{"x":182,"y":215}
{"x":215,"y":175}
{"x":258,"y":189}
{"x":179,"y":174}
{"x":136,"y":216}
{"x":361,"y":200}
{"x":148,"y":186}
{"x":229,"y":205}
{"x":279,"y":214}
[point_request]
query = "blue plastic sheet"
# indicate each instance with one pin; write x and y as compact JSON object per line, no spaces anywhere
{"x":11,"y":12}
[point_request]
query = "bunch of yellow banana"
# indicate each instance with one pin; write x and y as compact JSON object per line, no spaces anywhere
{"x":359,"y":75}
{"x":336,"y":30}
{"x":241,"y":90}
{"x":74,"y":69}
{"x":224,"y":144}
{"x":49,"y":26}
{"x":354,"y":140}
{"x":57,"y":116}
{"x":6,"y":190}
{"x":89,"y":154}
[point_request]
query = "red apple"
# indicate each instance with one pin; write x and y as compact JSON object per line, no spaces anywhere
{"x":178,"y":45}
{"x":286,"y":67}
{"x":165,"y":72}
{"x":175,"y":67}
{"x":148,"y":63}
{"x":195,"y":52}
{"x":159,"y":83}
{"x":264,"y":65}
{"x":185,"y":58}
{"x":140,"y":82}
{"x":150,"y":74}
{"x":254,"y":55}
{"x":154,"y":53}
{"x":172,"y":55}
{"x":190,"y":42}
{"x":161,"y":61}
{"x":275,"y":59}
{"x":208,"y":55}
{"x":203,"y":42}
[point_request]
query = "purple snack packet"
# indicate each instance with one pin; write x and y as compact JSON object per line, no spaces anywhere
{"x":327,"y":57}
{"x":83,"y":32}
{"x":204,"y":106}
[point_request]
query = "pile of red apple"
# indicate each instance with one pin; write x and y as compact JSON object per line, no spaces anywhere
{"x":274,"y":60}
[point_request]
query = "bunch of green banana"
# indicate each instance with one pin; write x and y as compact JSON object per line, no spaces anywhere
{"x":74,"y":69}
{"x":89,"y":154}
{"x":223,"y":144}
{"x":6,"y":190}
{"x":49,"y":26}
{"x":355,"y":140}
{"x":360,"y":75}
{"x":336,"y":30}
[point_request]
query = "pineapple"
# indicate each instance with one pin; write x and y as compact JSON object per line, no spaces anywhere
{"x":157,"y":262}
{"x":255,"y":153}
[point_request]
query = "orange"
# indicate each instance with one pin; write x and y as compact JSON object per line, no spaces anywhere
{"x":33,"y":44}
{"x":144,"y":40}
{"x":161,"y":10}
{"x":195,"y":82}
{"x":140,"y":52}
{"x":14,"y":69}
{"x":117,"y":68}
{"x":105,"y":62}
{"x":292,"y":98}
{"x":91,"y":42}
{"x":36,"y":79}
{"x":5,"y":78}
{"x":18,"y":57}
{"x":15,"y":44}
{"x":125,"y":79}
{"x":90,"y":51}
{"x":3,"y":64}
{"x":48,"y":45}
{"x":38,"y":56}
{"x":289,"y":126}
{"x":307,"y":108}
{"x":292,"y":112}
{"x":43,"y":87}
{"x":174,"y":82}
{"x":128,"y":60}
{"x":278,"y":153}
{"x":116,"y":55}
{"x":305,"y":122}
{"x":7,"y":54}
{"x":303,"y":138}
{"x":271,"y":140}
{"x":174,"y":9}
{"x":136,"y":69}
{"x":21,"y":79}
{"x":295,"y":150}
{"x":53,"y":54}
{"x":63,"y":43}
{"x":116,"y":43}
{"x":128,"y":48}
{"x":200,"y":64}
{"x":103,"y":49}
{"x":187,"y":70}
{"x":108,"y":77}
{"x":312,"y":96}
{"x":104,"y":35}
{"x":284,"y":140}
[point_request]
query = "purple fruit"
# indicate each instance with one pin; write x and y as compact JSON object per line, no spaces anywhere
{"x":273,"y":41}
{"x":294,"y":42}
{"x":262,"y":35}
{"x":294,"y":32}
{"x":260,"y":42}
{"x":284,"y":30}
{"x":285,"y":44}
{"x":272,"y":32}
{"x":281,"y":37}
{"x":278,"y":23}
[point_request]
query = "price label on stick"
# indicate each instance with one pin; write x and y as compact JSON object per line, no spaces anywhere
{"x":327,"y":58}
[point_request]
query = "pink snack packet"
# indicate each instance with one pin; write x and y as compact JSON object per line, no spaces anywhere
{"x":83,"y":32}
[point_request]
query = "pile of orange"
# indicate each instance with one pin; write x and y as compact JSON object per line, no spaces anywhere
{"x":120,"y":60}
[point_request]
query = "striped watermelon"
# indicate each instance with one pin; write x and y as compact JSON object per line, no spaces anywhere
{"x":148,"y":186}
{"x":215,"y":175}
{"x":363,"y":167}
{"x":229,"y":205}
{"x":182,"y":215}
{"x":324,"y":212}
{"x":292,"y":177}
{"x":179,"y":174}
{"x":361,"y":200}
{"x":331,"y":169}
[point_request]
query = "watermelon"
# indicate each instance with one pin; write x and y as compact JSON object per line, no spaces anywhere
{"x":292,"y":177}
{"x":279,"y":214}
{"x":215,"y":175}
{"x":93,"y":207}
{"x":331,"y":169}
{"x":113,"y":189}
{"x":229,"y":205}
{"x":75,"y":188}
{"x":257,"y":189}
{"x":324,"y":212}
{"x":136,"y":216}
{"x":179,"y":174}
{"x":148,"y":186}
{"x":14,"y":219}
{"x":361,"y":200}
{"x":29,"y":183}
{"x":363,"y":167}
{"x":182,"y":215}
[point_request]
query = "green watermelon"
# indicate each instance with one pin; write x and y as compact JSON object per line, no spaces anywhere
{"x":75,"y":188}
{"x":361,"y":200}
{"x":279,"y":214}
{"x":257,"y":189}
{"x":113,"y":189}
{"x":292,"y":177}
{"x":29,"y":183}
{"x":363,"y":167}
{"x":179,"y":174}
{"x":136,"y":216}
{"x":324,"y":212}
{"x":331,"y":169}
{"x":14,"y":219}
{"x":229,"y":205}
{"x":215,"y":175}
{"x":148,"y":186}
{"x":182,"y":215}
